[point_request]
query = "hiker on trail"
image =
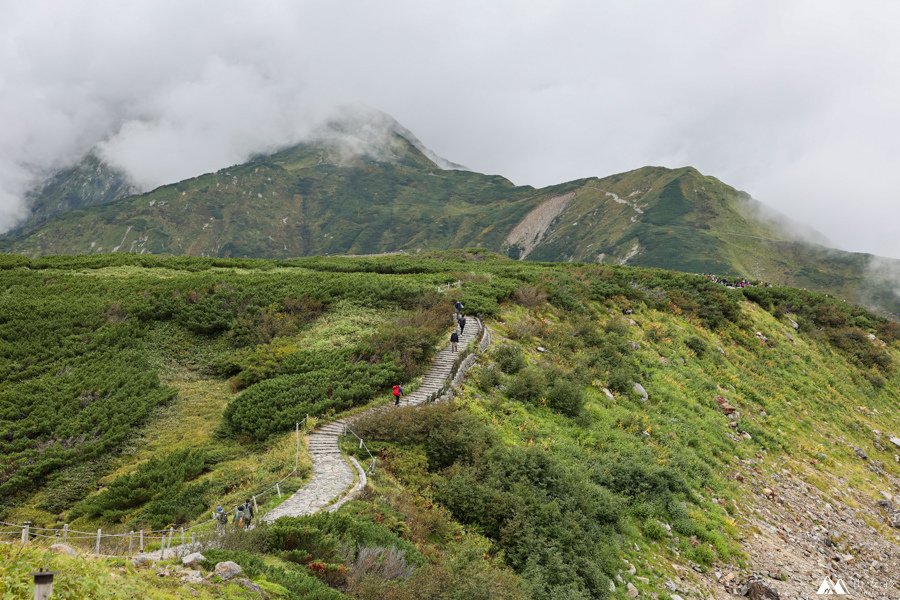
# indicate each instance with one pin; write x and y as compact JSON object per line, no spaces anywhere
{"x":462,"y":324}
{"x":459,"y":308}
{"x":454,"y":339}
{"x":398,"y":391}
{"x":221,"y":518}
{"x":244,"y":515}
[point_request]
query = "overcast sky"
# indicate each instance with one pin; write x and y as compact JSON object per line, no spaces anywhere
{"x":796,"y":102}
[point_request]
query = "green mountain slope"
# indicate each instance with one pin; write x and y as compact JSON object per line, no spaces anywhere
{"x":90,"y":182}
{"x":142,"y":391}
{"x":366,"y":193}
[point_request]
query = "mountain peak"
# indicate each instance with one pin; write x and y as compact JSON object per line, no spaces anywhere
{"x":364,"y":131}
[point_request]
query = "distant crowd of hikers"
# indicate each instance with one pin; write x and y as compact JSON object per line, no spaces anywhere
{"x":243,"y":516}
{"x":735,"y":282}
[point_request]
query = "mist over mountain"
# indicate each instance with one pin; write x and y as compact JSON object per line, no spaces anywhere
{"x":365,"y":184}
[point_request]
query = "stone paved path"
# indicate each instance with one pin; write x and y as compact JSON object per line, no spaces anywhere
{"x":333,"y":477}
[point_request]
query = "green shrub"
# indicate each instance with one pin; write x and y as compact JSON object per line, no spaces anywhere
{"x":566,"y":397}
{"x":528,"y":385}
{"x":509,"y":358}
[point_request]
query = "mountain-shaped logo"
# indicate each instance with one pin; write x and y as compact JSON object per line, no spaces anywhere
{"x":830,"y":587}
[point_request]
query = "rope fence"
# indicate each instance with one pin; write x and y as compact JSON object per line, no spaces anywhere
{"x":178,"y":541}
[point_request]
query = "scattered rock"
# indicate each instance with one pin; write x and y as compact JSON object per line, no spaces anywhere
{"x":608,"y":394}
{"x":141,"y":560}
{"x":541,"y":349}
{"x":861,"y":453}
{"x":757,"y":590}
{"x":248,"y":585}
{"x":192,"y":576}
{"x":227,"y":570}
{"x":794,"y":324}
{"x":746,"y":436}
{"x":724,"y":405}
{"x":612,"y":586}
{"x":768,"y":492}
{"x":631,"y":569}
{"x":635,"y":345}
{"x":761,"y":337}
{"x":63,"y":549}
{"x":895,"y":520}
{"x":728,"y":578}
{"x":643,"y":580}
{"x":640,"y":391}
{"x":676,"y":597}
{"x":193,"y":560}
{"x":670,"y":585}
{"x":632,"y":591}
{"x":895,"y":441}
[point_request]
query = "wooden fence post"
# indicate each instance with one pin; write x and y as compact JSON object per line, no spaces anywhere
{"x":182,"y":539}
{"x":65,"y":533}
{"x":297,"y":455}
{"x":130,"y":542}
{"x":171,"y":533}
{"x":278,"y":489}
{"x":141,"y":540}
{"x":97,"y":546}
{"x":25,"y":528}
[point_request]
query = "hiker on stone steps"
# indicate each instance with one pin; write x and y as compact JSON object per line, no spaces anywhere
{"x":459,"y":308}
{"x":398,"y":391}
{"x":454,"y":339}
{"x":462,"y":324}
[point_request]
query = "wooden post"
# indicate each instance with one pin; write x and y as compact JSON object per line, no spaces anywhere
{"x":171,"y":533}
{"x":130,"y":542}
{"x":297,"y":456}
{"x":65,"y":532}
{"x":278,"y":489}
{"x":182,"y":539}
{"x":141,"y":540}
{"x":43,"y":584}
{"x":255,"y":506}
{"x":97,"y":546}
{"x":25,"y":528}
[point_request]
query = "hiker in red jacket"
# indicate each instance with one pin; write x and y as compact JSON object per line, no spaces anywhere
{"x":398,"y":391}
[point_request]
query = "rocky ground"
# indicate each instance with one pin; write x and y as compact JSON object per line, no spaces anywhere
{"x":797,"y":534}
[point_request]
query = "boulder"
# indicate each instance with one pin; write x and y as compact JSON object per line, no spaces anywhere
{"x":609,"y":394}
{"x":63,"y":549}
{"x":193,"y":560}
{"x":640,"y":391}
{"x":757,"y":590}
{"x":141,"y":560}
{"x":727,"y":408}
{"x":895,"y":441}
{"x":227,"y":570}
{"x":632,"y":591}
{"x":248,"y":585}
{"x":192,"y":576}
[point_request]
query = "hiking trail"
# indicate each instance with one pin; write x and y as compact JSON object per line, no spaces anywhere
{"x":332,"y":484}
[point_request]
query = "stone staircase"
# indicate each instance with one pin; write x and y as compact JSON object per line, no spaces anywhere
{"x":332,"y":482}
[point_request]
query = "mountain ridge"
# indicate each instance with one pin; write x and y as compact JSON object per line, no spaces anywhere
{"x":366,"y":185}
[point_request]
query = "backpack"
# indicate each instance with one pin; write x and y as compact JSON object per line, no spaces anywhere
{"x":222,"y":517}
{"x":397,"y":390}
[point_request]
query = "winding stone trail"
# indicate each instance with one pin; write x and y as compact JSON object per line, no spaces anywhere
{"x":333,"y":477}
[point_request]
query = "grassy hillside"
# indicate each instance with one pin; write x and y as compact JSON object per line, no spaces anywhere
{"x":141,"y":391}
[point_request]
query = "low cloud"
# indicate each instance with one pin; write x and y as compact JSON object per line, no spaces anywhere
{"x":793,"y":102}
